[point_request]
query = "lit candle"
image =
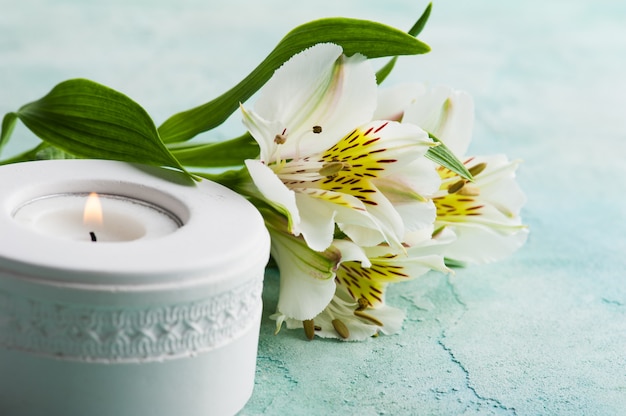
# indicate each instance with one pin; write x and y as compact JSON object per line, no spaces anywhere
{"x":93,"y":217}
{"x":160,"y":315}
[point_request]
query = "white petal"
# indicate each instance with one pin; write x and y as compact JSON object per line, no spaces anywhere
{"x":479,"y":244}
{"x":417,"y":215}
{"x":317,"y":223}
{"x":498,"y":167}
{"x":318,"y":87}
{"x":418,"y":259}
{"x":302,"y":297}
{"x":353,"y":219}
{"x":389,"y":220}
{"x":423,"y":254}
{"x":263,"y":131}
{"x":363,"y":236}
{"x":383,"y":224}
{"x":402,"y":142}
{"x":306,"y":277}
{"x":505,"y":195}
{"x":419,"y":264}
{"x":498,"y":186}
{"x":352,"y":252}
{"x":276,"y":193}
{"x":420,"y":175}
{"x":390,"y":316}
{"x":427,"y":244}
{"x":304,"y":76}
{"x":446,"y":113}
{"x":405,"y":190}
{"x":393,"y":101}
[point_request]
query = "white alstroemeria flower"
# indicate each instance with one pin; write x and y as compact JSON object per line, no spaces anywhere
{"x":307,"y":281}
{"x":321,"y":157}
{"x":358,"y":309}
{"x":484,"y":214}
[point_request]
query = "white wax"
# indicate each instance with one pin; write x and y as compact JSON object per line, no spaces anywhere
{"x":123,"y":218}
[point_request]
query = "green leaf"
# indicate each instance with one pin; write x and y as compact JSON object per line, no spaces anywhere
{"x":8,"y":124}
{"x":371,"y":39}
{"x":421,"y":22}
{"x":384,"y":72}
{"x":454,"y":263}
{"x":90,"y":120}
{"x":221,"y":154}
{"x":414,"y":31}
{"x":443,"y":156}
{"x":235,"y":180}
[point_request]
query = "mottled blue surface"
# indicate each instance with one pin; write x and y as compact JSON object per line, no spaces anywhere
{"x":543,"y":332}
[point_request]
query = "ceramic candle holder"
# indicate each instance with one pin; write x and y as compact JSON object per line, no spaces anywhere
{"x":143,"y":324}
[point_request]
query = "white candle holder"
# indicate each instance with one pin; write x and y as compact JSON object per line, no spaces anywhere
{"x":161,"y":325}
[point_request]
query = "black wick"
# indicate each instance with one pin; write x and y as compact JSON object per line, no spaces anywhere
{"x":93,"y":236}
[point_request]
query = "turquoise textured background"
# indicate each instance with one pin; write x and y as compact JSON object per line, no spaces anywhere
{"x":543,"y":332}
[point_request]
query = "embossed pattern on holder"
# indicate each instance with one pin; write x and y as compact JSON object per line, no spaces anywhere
{"x":127,"y":333}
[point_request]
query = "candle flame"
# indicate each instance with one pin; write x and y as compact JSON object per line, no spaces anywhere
{"x":93,"y":210}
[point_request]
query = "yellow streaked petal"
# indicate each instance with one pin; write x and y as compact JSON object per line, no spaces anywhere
{"x":455,"y":206}
{"x":337,"y":198}
{"x":369,"y":282}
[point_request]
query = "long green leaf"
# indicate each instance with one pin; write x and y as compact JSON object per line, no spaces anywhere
{"x":221,"y":154}
{"x":414,"y":31}
{"x":89,"y":120}
{"x":443,"y":156}
{"x":371,"y":39}
{"x":8,"y":124}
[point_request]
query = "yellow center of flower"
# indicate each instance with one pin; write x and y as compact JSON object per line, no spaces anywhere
{"x":458,"y":198}
{"x":346,"y":169}
{"x":369,"y":283}
{"x":350,"y":165}
{"x":361,"y":151}
{"x":452,"y":206}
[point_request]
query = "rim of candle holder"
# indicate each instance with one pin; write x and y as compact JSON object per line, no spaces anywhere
{"x":222,"y":237}
{"x":173,"y":217}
